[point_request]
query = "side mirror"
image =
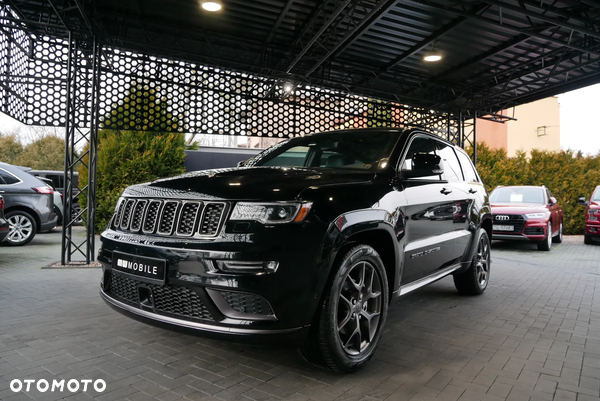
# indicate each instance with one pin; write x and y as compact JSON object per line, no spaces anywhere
{"x":553,"y":200}
{"x":583,"y":202}
{"x":423,"y":165}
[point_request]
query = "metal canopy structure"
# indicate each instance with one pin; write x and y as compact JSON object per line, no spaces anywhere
{"x":283,"y":67}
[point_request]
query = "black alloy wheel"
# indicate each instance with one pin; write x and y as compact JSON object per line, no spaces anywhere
{"x":353,"y":313}
{"x":476,"y":278}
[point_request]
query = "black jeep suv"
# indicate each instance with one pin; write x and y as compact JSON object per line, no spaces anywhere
{"x":307,"y":242}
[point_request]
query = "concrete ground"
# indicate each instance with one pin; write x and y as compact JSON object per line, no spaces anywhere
{"x":533,"y":335}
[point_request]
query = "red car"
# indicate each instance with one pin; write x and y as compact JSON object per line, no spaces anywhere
{"x":592,"y":217}
{"x":527,"y":213}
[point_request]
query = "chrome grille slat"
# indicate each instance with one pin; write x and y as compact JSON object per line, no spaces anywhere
{"x":211,"y":218}
{"x":151,"y":217}
{"x":129,"y":204}
{"x":138,"y":215}
{"x":168,"y":217}
{"x":187,"y":218}
{"x":182,"y":218}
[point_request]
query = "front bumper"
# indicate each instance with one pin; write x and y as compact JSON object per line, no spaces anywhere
{"x":258,"y":308}
{"x":592,"y":229}
{"x":532,"y":231}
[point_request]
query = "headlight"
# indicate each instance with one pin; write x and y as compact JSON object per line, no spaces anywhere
{"x":271,"y":213}
{"x":591,"y":213}
{"x":536,"y":215}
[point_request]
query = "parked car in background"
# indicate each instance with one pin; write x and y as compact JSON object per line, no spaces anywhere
{"x":57,"y":179}
{"x":307,"y":242}
{"x":28,"y":204}
{"x":4,"y":226}
{"x":58,"y":200}
{"x":527,"y":213}
{"x":592,"y":217}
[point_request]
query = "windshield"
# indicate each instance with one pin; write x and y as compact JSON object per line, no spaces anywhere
{"x":360,"y":150}
{"x":596,"y":195}
{"x":517,"y":195}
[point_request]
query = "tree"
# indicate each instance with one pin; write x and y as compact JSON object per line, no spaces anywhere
{"x":127,"y":157}
{"x":10,"y":148}
{"x":47,"y":153}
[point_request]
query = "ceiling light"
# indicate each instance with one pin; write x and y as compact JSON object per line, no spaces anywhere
{"x":211,"y":5}
{"x":288,"y":87}
{"x":432,"y":56}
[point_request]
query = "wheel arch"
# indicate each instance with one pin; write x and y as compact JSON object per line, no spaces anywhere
{"x":27,"y":210}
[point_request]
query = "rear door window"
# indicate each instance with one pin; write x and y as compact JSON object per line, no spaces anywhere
{"x":7,"y":178}
{"x":467,"y":167}
{"x":450,"y":164}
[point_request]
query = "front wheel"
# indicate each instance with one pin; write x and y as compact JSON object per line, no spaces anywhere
{"x":352,"y":315}
{"x":559,"y":237}
{"x":22,"y":228}
{"x":587,"y":239}
{"x":475,"y":279}
{"x":546,"y":244}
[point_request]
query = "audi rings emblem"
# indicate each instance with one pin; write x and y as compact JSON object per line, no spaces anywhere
{"x":502,"y":217}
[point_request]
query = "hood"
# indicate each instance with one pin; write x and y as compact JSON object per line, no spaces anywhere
{"x":247,"y":183}
{"x":519,"y":208}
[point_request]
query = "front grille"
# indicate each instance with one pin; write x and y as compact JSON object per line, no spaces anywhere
{"x":247,"y":303}
{"x":513,"y":220}
{"x":171,"y":217}
{"x":169,"y":299}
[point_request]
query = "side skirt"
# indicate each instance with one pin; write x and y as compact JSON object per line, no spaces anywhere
{"x":410,"y":287}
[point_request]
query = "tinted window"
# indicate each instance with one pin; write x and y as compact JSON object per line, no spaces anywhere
{"x":8,"y":178}
{"x":450,"y":164}
{"x":418,"y":145}
{"x":362,"y":150}
{"x":467,"y":167}
{"x":57,"y":180}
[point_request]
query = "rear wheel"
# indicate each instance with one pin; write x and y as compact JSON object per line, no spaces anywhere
{"x":22,"y":228}
{"x":352,"y":315}
{"x":475,"y":280}
{"x":546,"y":244}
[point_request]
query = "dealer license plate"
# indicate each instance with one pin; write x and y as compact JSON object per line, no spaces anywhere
{"x":146,"y":269}
{"x":503,"y":228}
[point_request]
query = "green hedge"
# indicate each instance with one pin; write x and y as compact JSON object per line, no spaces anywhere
{"x":130,"y":157}
{"x":567,"y":174}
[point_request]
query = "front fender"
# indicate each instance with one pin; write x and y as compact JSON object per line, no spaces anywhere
{"x":361,"y":226}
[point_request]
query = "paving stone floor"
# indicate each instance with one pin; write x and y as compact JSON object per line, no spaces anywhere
{"x":533,"y":335}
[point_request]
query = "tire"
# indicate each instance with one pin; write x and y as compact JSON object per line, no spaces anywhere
{"x":587,"y":239}
{"x":59,"y":214}
{"x":351,"y":318}
{"x":559,"y":237}
{"x":546,"y":244}
{"x":22,"y":228}
{"x":475,"y":279}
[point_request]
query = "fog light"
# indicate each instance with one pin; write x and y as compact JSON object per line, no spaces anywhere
{"x":243,"y":266}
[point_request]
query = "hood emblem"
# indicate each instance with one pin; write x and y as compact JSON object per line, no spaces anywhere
{"x":502,"y":217}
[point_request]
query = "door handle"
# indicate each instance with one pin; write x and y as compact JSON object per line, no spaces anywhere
{"x":445,"y":191}
{"x":472,"y":191}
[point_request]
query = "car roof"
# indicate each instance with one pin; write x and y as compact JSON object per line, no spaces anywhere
{"x":22,"y":174}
